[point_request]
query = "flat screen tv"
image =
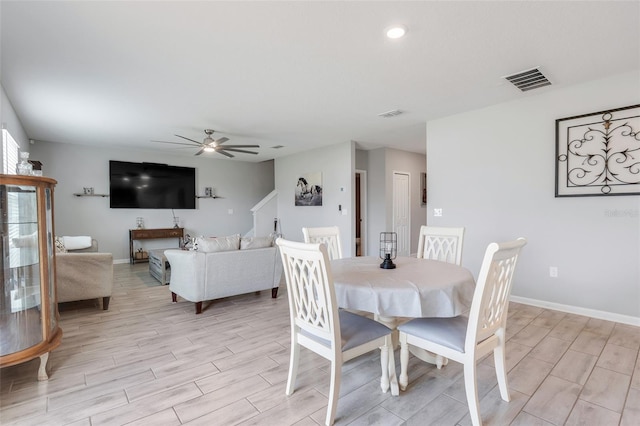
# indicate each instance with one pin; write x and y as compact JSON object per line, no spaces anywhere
{"x":151,"y":186}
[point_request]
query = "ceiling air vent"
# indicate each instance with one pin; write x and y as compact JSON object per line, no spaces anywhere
{"x":277,"y":146}
{"x":528,"y":80}
{"x":391,"y":113}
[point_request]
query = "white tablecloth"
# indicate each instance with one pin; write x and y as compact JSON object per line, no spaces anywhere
{"x":416,"y":288}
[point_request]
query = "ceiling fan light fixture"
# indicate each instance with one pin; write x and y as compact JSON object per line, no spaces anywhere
{"x":209,"y":148}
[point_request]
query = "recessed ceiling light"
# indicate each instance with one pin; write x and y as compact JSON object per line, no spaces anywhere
{"x":396,"y":31}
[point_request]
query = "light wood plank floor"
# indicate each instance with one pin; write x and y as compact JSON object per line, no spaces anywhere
{"x":147,"y":361}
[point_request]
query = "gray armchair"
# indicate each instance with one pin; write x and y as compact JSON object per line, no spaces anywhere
{"x":84,"y":274}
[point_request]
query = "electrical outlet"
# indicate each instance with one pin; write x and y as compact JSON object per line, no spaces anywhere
{"x":437,"y":212}
{"x":553,"y":271}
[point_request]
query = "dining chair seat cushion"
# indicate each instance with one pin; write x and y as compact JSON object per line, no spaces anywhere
{"x":448,"y":332}
{"x":355,"y":330}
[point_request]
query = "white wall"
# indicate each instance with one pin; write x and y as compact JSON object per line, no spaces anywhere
{"x":492,"y":170}
{"x":240,"y":184}
{"x":337,"y":165}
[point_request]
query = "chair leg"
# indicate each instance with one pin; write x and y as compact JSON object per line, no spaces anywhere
{"x":293,"y":367}
{"x":105,"y":302}
{"x":471,"y":389}
{"x":404,"y":361}
{"x":501,"y":372}
{"x":198,"y":308}
{"x":334,"y":392}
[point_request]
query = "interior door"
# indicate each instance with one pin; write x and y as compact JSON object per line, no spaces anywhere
{"x":402,"y":212}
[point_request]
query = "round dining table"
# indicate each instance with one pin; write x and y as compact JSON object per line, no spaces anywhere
{"x":416,"y":288}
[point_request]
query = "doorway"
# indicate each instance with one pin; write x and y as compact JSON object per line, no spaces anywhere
{"x":402,"y":212}
{"x":361,"y":212}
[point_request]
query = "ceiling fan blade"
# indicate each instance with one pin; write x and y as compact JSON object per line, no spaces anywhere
{"x":240,"y":146}
{"x":224,"y":153}
{"x":176,"y":143}
{"x":221,"y":140}
{"x":200,"y":151}
{"x":199,"y":143}
{"x":238,"y":150}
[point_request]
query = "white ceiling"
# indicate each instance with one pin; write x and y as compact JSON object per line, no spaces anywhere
{"x":300,"y":74}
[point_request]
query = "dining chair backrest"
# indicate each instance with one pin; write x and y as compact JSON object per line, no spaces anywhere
{"x":312,"y":300}
{"x":318,"y":324}
{"x":441,"y":243}
{"x":488,"y":313}
{"x":329,"y":235}
{"x":469,"y":339}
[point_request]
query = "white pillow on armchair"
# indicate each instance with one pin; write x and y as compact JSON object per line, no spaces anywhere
{"x":76,"y":243}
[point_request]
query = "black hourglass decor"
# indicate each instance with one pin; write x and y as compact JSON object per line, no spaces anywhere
{"x":388,"y":249}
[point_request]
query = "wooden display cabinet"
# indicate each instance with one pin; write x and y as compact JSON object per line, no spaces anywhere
{"x":29,"y":320}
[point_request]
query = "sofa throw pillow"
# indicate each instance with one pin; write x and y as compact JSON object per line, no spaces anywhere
{"x":212,"y":245}
{"x":59,"y":243}
{"x":255,"y":243}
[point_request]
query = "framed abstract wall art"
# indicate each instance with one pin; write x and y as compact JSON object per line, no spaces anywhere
{"x":598,"y":154}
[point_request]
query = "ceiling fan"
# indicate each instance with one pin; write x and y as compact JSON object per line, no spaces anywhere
{"x":209,"y":144}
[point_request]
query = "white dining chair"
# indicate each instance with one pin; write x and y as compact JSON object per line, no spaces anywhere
{"x":467,"y":339}
{"x":441,"y":243}
{"x":329,"y":235}
{"x":318,"y":324}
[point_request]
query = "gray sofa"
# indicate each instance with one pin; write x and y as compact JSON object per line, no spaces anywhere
{"x":198,"y":276}
{"x":84,"y":274}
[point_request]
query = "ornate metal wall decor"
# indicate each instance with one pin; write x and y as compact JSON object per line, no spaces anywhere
{"x":599,"y":153}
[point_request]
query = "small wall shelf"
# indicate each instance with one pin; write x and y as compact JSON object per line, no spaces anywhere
{"x":91,"y":195}
{"x":207,"y":196}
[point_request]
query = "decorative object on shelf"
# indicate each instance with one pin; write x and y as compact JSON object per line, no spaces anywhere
{"x":93,"y":194}
{"x":309,"y":190}
{"x":388,"y":249}
{"x":141,"y":254}
{"x":208,"y":193}
{"x":87,"y":191}
{"x":139,"y":223}
{"x":24,"y":167}
{"x":597,"y":153}
{"x":176,"y":220}
{"x":37,"y":167}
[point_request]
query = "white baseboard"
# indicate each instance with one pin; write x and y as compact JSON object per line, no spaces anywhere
{"x":609,"y":316}
{"x":120,"y":261}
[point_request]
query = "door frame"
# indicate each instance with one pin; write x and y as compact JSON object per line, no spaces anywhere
{"x":363,"y":211}
{"x":393,"y":216}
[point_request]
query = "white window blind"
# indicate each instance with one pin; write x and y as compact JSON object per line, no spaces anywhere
{"x":10,"y":150}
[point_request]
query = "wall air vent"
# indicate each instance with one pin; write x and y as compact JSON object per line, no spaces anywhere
{"x":391,"y":113}
{"x":528,"y":80}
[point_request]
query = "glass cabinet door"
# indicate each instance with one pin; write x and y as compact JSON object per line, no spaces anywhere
{"x":20,"y":301}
